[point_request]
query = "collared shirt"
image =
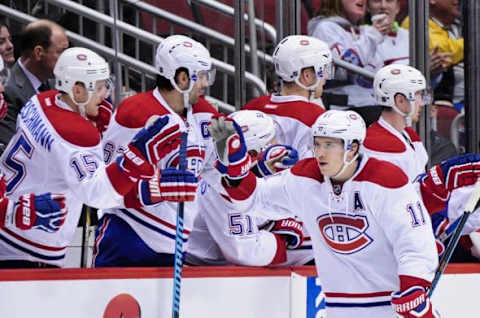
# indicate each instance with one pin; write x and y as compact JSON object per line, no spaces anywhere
{"x":32,"y":78}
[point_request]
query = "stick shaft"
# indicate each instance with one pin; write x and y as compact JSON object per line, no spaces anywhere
{"x":177,"y":271}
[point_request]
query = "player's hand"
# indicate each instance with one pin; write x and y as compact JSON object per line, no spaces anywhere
{"x":102,"y":119}
{"x":233,"y":158}
{"x":149,"y":146}
{"x":46,"y":212}
{"x":412,"y":303}
{"x":290,"y":228}
{"x":275,"y":159}
{"x":171,"y":184}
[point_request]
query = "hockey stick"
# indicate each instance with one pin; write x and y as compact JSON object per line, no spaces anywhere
{"x":177,"y":274}
{"x":472,"y":204}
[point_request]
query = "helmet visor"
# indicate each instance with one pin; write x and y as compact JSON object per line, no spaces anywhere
{"x":208,"y":76}
{"x":103,"y":87}
{"x":425,"y":96}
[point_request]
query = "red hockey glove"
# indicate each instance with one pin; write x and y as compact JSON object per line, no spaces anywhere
{"x":233,"y":158}
{"x":290,"y":228}
{"x":171,"y":185}
{"x":437,"y":184}
{"x":149,"y":146}
{"x":46,"y":212}
{"x":105,"y":111}
{"x":275,"y":159}
{"x":412,"y":303}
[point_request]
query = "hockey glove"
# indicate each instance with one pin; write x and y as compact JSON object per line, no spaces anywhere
{"x":412,"y":303}
{"x":290,"y":229}
{"x":172,"y":185}
{"x":105,"y":111}
{"x":233,"y":158}
{"x":275,"y":159}
{"x":148,"y":147}
{"x":46,"y":212}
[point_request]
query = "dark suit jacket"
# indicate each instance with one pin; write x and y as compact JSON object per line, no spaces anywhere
{"x":18,"y":91}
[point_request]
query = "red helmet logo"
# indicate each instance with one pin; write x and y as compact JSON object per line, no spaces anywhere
{"x":395,"y":71}
{"x":304,"y":42}
{"x":187,"y":44}
{"x":353,"y":116}
{"x":81,"y":57}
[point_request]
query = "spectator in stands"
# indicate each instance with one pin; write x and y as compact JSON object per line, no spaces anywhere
{"x":339,"y":24}
{"x":3,"y":80}
{"x":42,"y":42}
{"x":445,"y":32}
{"x":6,"y":45}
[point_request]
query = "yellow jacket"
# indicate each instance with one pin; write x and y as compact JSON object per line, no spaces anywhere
{"x":438,"y":36}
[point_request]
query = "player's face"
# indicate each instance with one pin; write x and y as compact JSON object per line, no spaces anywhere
{"x":329,"y":154}
{"x":354,"y":10}
{"x":389,"y":7}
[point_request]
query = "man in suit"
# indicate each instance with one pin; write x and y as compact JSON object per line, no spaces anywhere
{"x":41,"y":44}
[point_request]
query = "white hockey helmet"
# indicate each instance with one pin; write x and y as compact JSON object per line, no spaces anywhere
{"x":346,"y":125}
{"x":296,"y":52}
{"x":402,"y":79}
{"x":82,"y":65}
{"x":177,"y":51}
{"x":258,"y":128}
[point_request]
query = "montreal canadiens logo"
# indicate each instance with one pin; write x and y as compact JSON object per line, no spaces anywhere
{"x":344,"y":234}
{"x":195,"y":158}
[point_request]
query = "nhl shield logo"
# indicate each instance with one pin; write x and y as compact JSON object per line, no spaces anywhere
{"x":344,"y":233}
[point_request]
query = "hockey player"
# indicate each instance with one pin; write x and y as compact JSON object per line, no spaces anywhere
{"x":220,"y":237}
{"x":143,"y":234}
{"x":303,"y":64}
{"x":371,"y":236}
{"x":402,"y":91}
{"x":56,"y":148}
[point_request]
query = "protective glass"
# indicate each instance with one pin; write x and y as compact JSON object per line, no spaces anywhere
{"x":209,"y":76}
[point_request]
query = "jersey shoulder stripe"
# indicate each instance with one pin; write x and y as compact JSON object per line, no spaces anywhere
{"x":71,"y":126}
{"x":308,"y":168}
{"x":135,"y":110}
{"x":203,"y":106}
{"x":383,"y":173}
{"x":380,"y":139}
{"x":413,"y":134}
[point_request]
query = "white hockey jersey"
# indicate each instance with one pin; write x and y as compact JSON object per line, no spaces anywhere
{"x":405,"y":149}
{"x":54,"y":150}
{"x":364,"y":238}
{"x":294,"y":116}
{"x":156,"y":225}
{"x":362,"y":46}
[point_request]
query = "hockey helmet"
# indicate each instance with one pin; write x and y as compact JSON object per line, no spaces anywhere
{"x":258,"y":128}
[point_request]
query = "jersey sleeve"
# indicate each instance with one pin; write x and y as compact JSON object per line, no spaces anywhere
{"x":85,"y":173}
{"x":407,"y":226}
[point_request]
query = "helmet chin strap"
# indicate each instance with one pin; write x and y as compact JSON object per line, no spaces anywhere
{"x":185,"y":92}
{"x":345,"y":164}
{"x":407,"y":116}
{"x":81,"y":105}
{"x":311,"y":88}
